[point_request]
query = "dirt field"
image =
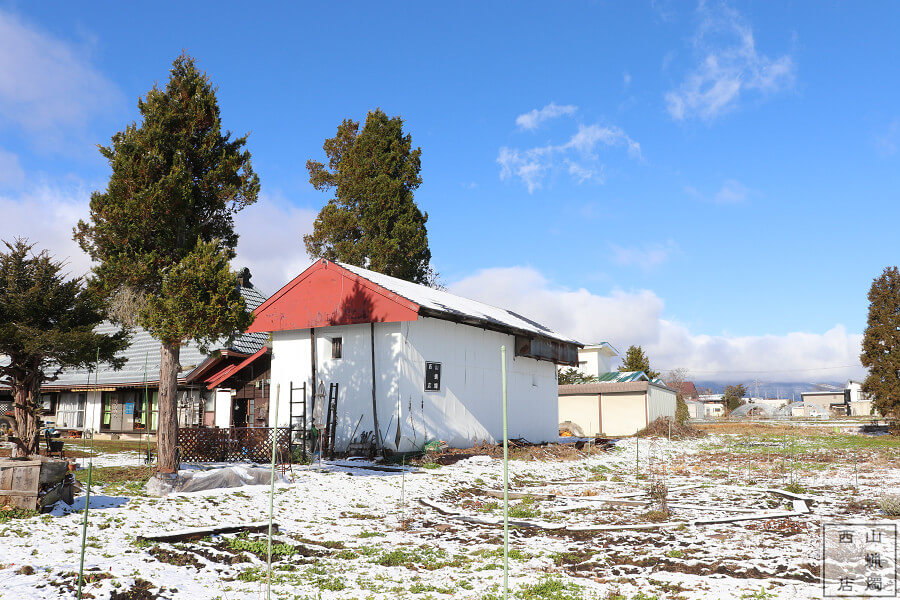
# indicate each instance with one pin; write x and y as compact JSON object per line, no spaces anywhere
{"x":586,"y":525}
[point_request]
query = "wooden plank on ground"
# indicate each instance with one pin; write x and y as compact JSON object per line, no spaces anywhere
{"x":613,"y":501}
{"x":195,"y":533}
{"x":590,"y":528}
{"x":519,"y":495}
{"x":762,"y":515}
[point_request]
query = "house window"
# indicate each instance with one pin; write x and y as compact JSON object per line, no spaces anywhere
{"x":141,"y":406}
{"x":47,"y":403}
{"x":336,"y":347}
{"x":70,"y":412}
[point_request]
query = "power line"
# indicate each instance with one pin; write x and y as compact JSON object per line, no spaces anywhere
{"x":764,"y":370}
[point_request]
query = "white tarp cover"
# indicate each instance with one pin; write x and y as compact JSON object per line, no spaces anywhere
{"x":212,"y":479}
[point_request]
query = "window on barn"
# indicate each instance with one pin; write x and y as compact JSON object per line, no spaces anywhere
{"x":336,"y":347}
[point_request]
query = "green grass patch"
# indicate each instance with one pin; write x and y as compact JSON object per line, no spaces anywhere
{"x":9,"y":514}
{"x":260,"y":547}
{"x":526,"y":509}
{"x":423,"y":557}
{"x":550,"y":588}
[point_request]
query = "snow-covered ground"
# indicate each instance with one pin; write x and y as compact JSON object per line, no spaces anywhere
{"x":349,"y":532}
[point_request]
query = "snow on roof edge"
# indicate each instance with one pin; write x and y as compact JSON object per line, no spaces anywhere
{"x":445,"y":302}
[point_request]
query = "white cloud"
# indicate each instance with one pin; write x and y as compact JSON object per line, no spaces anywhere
{"x":577,"y":156}
{"x":625,"y":318}
{"x":887,"y":143}
{"x":271,"y":241}
{"x":644,"y":257}
{"x":533,"y":118}
{"x":626,"y":78}
{"x":730,"y":65}
{"x":48,"y":87}
{"x":11,"y":174}
{"x":46,"y":215}
{"x":580,"y":173}
{"x":731,"y":192}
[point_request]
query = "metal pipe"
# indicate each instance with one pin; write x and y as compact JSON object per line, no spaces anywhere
{"x":378,"y":441}
{"x":272,"y":497}
{"x":505,"y":480}
{"x":87,"y":496}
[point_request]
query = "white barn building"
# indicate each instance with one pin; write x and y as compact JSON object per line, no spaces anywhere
{"x":412,"y":363}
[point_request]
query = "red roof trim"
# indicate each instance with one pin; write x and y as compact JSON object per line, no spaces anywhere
{"x":230,"y":370}
{"x":263,"y":322}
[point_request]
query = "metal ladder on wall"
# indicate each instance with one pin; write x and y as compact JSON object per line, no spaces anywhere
{"x":293,"y":426}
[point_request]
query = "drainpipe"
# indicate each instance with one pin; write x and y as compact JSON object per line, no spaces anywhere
{"x":378,"y":443}
{"x":312,"y":356}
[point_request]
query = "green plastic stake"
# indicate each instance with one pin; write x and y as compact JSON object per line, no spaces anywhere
{"x":403,"y":491}
{"x":505,"y":480}
{"x":272,"y":498}
{"x":148,"y":418}
{"x":637,"y":456}
{"x":87,"y":494}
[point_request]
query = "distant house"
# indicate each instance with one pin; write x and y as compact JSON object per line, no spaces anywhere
{"x":860,"y":403}
{"x":596,"y":359}
{"x":696,"y":410}
{"x":114,"y":403}
{"x":687,"y":388}
{"x":408,"y":362}
{"x":622,"y":403}
{"x":713,"y":405}
{"x":831,"y":402}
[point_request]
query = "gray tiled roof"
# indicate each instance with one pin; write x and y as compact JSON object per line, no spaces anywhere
{"x":143,"y":354}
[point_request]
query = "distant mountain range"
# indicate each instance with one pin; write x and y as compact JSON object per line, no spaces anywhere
{"x":771,"y":389}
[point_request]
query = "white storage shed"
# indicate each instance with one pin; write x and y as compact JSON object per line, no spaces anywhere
{"x":411,"y":363}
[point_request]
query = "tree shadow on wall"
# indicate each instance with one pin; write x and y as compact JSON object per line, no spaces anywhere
{"x":357,"y":307}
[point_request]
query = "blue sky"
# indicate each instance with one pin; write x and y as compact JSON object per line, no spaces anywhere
{"x":717,"y":182}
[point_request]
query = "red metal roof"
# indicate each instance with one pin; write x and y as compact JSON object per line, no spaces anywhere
{"x":327,"y":294}
{"x":230,"y":370}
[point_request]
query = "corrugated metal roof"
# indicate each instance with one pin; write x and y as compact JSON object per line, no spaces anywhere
{"x":441,"y":301}
{"x":607,"y":387}
{"x":145,"y":350}
{"x":622,"y":376}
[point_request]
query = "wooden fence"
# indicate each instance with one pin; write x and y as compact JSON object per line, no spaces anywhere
{"x":235,"y":444}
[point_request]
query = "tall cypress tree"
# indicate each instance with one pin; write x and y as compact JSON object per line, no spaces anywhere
{"x":373,"y":220}
{"x":163,"y":230}
{"x":46,"y":325}
{"x":881,"y":343}
{"x":636,"y":360}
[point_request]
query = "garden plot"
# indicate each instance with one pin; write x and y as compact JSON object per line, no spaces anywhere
{"x":349,"y":532}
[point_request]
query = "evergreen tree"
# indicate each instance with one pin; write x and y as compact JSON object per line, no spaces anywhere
{"x":636,"y":360}
{"x":163,"y":230}
{"x":881,"y":344}
{"x":572,"y":375}
{"x":46,"y":325}
{"x":373,"y":220}
{"x":734,"y":396}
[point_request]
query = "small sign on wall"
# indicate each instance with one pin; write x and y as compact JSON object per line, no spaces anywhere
{"x":432,"y":376}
